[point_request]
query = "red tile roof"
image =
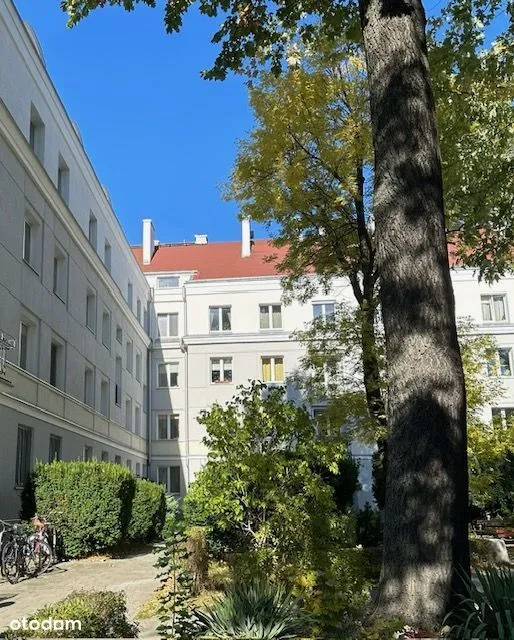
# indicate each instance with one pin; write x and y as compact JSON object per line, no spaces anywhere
{"x":213,"y":260}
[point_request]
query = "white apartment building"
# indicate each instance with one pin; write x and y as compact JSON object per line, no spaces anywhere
{"x":73,"y":301}
{"x":112,"y":353}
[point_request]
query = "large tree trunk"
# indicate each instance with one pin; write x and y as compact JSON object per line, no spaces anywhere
{"x":425,"y":517}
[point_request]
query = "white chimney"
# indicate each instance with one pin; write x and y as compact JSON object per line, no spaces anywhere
{"x":201,"y":239}
{"x":246,"y":238}
{"x":148,"y":241}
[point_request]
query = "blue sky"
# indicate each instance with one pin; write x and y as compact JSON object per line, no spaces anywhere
{"x":162,"y":140}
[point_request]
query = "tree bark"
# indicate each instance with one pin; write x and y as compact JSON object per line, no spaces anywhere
{"x":425,"y":516}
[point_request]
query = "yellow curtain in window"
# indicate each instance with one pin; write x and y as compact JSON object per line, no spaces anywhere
{"x":279,"y":370}
{"x":266,"y":369}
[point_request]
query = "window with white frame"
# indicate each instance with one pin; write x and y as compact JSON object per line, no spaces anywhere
{"x":107,"y":256}
{"x":23,"y":455}
{"x":89,"y":386}
{"x":104,"y":398}
{"x":91,"y":310}
{"x":119,"y":334}
{"x":32,"y":239}
{"x":323,"y":309}
{"x":167,"y":426}
{"x":273,"y":369}
{"x":220,"y":319}
{"x":54,"y":448}
{"x":128,"y":413}
{"x":137,"y":419}
{"x":37,"y":134}
{"x":28,"y":343}
{"x":138,"y":310}
{"x":129,"y":348}
{"x":57,"y":363}
{"x":27,"y":241}
{"x":503,"y":416}
{"x":106,"y":328}
{"x":221,"y":370}
{"x":494,"y":308}
{"x":138,"y":469}
{"x":170,"y":477}
{"x":93,"y":231}
{"x":138,"y":365}
{"x":167,"y":374}
{"x":270,"y":316}
{"x":501,"y":364}
{"x":117,"y":381}
{"x":129,"y":464}
{"x":130,"y":295}
{"x":167,"y":325}
{"x":168,"y":282}
{"x":60,"y":280}
{"x":87,"y":454}
{"x":63,"y":180}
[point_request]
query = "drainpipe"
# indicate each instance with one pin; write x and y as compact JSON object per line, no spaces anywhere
{"x":185,"y":351}
{"x":149,"y":388}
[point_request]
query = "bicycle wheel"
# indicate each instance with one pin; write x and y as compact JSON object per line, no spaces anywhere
{"x":44,"y":556}
{"x":10,"y":562}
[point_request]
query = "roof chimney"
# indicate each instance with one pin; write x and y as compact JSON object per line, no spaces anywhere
{"x":201,"y":239}
{"x":246,"y":238}
{"x":148,"y":241}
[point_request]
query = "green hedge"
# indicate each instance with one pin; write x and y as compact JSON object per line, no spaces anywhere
{"x":102,"y":614}
{"x":89,"y":503}
{"x":148,"y":511}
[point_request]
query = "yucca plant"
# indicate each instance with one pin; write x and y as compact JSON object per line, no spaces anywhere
{"x":487,"y":609}
{"x":255,"y":611}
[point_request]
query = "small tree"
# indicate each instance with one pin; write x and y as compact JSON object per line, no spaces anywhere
{"x":259,"y":486}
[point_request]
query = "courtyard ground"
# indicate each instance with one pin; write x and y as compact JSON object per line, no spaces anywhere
{"x":134,"y":575}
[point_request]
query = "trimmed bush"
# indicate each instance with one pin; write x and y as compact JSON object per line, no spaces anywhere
{"x":89,"y":503}
{"x":148,"y":511}
{"x":102,"y":614}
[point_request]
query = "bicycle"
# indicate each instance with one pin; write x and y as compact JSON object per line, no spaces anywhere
{"x":24,"y":555}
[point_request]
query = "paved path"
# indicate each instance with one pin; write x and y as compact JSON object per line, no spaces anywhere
{"x":135,"y":576}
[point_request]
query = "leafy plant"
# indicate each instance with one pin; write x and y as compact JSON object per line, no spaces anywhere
{"x":486,"y":609}
{"x":148,"y":511}
{"x":176,"y":593}
{"x":102,"y":614}
{"x":259,"y":610}
{"x":369,"y":527}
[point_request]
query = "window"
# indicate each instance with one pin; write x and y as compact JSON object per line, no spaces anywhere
{"x":137,"y":420}
{"x":63,"y":180}
{"x":91,"y":310}
{"x":57,"y":365}
{"x":170,"y":478}
{"x":37,"y":134}
{"x":270,"y":316}
{"x":106,"y":329}
{"x":167,"y":427}
{"x":503,"y":416}
{"x":117,"y":382}
{"x":501,"y":365}
{"x":105,"y":456}
{"x":145,"y":320}
{"x":23,"y":455}
{"x":168,"y":282}
{"x":168,"y":375}
{"x":24,"y":344}
{"x":107,"y":256}
{"x":323,"y":309}
{"x":138,"y":469}
{"x":167,"y":324}
{"x":104,"y":398}
{"x":494,"y":308}
{"x":93,"y":231}
{"x":27,"y":242}
{"x":273,"y":369}
{"x":87,"y":455}
{"x":119,"y":334}
{"x":219,"y":318}
{"x":221,"y":370}
{"x":60,"y":282}
{"x":32,"y":240}
{"x":54,"y":451}
{"x":89,"y":386}
{"x":129,"y":356}
{"x":128,"y":413}
{"x":138,"y":310}
{"x":138,"y":366}
{"x":117,"y":459}
{"x":130,"y":295}
{"x":129,"y":464}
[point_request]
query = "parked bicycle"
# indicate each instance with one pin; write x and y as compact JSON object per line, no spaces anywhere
{"x":23,"y":554}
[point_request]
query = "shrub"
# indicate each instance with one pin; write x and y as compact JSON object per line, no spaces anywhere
{"x":198,"y":557}
{"x":369,"y":527}
{"x":173,"y":513}
{"x":89,"y":503}
{"x":486,"y":609}
{"x":102,"y":614}
{"x":148,"y":511}
{"x":257,"y":610}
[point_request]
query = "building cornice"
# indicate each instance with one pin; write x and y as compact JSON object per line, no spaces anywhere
{"x":238,"y":338}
